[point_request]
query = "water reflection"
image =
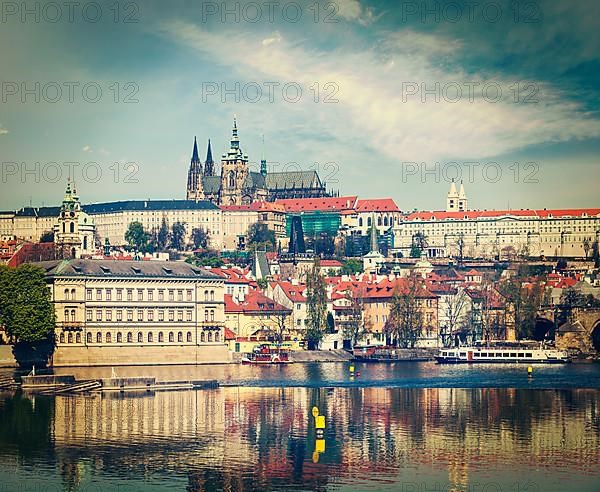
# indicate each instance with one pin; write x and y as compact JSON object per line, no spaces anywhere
{"x":249,"y":438}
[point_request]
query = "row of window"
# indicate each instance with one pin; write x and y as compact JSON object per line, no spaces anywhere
{"x":76,"y":338}
{"x":141,"y":294}
{"x":142,"y":315}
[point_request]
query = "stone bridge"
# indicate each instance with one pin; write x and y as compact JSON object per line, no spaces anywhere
{"x":580,"y":332}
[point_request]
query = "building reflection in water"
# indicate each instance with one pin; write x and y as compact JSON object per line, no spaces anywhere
{"x":262,"y":438}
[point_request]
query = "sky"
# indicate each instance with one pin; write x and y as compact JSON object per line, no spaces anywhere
{"x":383,"y":99}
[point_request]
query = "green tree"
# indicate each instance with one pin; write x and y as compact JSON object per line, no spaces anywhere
{"x":260,"y":237}
{"x":526,"y":301}
{"x":162,"y":237}
{"x":177,"y":236}
{"x":352,"y":267}
{"x":138,"y":238}
{"x":316,"y":303}
{"x":26,"y":310}
{"x":47,"y":237}
{"x":199,"y":238}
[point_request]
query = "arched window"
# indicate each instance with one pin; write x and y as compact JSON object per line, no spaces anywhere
{"x":385,"y":221}
{"x":150,"y":338}
{"x":161,"y":337}
{"x":180,"y":337}
{"x":108,"y":337}
{"x":66,"y":315}
{"x":73,"y":315}
{"x":379,"y":220}
{"x":72,"y":294}
{"x":72,"y":227}
{"x":64,"y":229}
{"x":70,"y":338}
{"x":85,"y":242}
{"x":189,"y":336}
{"x":212,"y":295}
{"x":217,"y":337}
{"x":368,"y":221}
{"x":202,"y":337}
{"x":88,"y":337}
{"x":360,"y":222}
{"x":66,"y":294}
{"x":62,"y":338}
{"x":77,"y":337}
{"x":119,"y":337}
{"x":129,"y":337}
{"x":210,"y":336}
{"x":98,"y":337}
{"x":171,"y":337}
{"x":212,"y":314}
{"x":206,"y":315}
{"x":205,"y":296}
{"x":140,"y":337}
{"x":231,"y":179}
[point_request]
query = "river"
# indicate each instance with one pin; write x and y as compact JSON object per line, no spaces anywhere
{"x":415,"y":427}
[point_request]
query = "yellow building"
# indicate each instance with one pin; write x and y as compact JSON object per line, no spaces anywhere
{"x":258,"y":319}
{"x":114,"y":312}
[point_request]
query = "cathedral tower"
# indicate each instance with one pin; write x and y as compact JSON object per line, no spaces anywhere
{"x":234,"y":172}
{"x":209,"y":164}
{"x":195,"y":189}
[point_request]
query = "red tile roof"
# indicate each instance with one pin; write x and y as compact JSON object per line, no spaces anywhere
{"x":327,"y":204}
{"x":292,"y":292}
{"x":377,"y":205}
{"x":330,"y":263}
{"x":474,"y":214}
{"x":254,"y":302}
{"x":254,"y":207}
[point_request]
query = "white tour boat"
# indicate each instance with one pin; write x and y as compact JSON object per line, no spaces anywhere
{"x":505,"y":353}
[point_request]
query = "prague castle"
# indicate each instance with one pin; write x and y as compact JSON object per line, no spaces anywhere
{"x":237,"y":185}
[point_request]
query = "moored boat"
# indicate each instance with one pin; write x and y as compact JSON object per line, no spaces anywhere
{"x":264,"y":354}
{"x":503,"y":353}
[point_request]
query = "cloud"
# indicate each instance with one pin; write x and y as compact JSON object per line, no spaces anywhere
{"x":276,"y":38}
{"x":352,"y":10}
{"x":87,"y":148}
{"x":373,"y":105}
{"x":3,"y":130}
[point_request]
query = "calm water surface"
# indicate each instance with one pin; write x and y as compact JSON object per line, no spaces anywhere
{"x":390,"y":433}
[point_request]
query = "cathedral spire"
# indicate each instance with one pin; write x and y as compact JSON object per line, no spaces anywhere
{"x":195,"y":157}
{"x":235,"y":141}
{"x":209,"y":165}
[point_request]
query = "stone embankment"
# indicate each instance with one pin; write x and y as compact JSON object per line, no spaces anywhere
{"x":320,"y":356}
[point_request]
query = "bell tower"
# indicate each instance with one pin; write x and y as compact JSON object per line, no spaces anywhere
{"x":74,"y":231}
{"x":234,"y":171}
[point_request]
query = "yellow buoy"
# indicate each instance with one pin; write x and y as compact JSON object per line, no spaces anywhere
{"x":315,"y":412}
{"x":321,"y":422}
{"x":352,"y":368}
{"x":320,"y":445}
{"x":530,"y":371}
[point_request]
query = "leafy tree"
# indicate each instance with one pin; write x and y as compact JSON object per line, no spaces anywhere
{"x":262,"y":283}
{"x":138,"y":238}
{"x":316,"y":301}
{"x":526,"y":301}
{"x":177,"y":236}
{"x":419,"y":243}
{"x":162,"y":236}
{"x":352,"y":267}
{"x":47,"y":237}
{"x":405,"y":322}
{"x":199,"y":238}
{"x":323,"y":245}
{"x":561,"y":264}
{"x":260,"y":237}
{"x":26,"y":310}
{"x":280,"y":324}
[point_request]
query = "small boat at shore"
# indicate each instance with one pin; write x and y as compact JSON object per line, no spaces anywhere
{"x":502,"y":353}
{"x":381,"y":353}
{"x":264,"y":354}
